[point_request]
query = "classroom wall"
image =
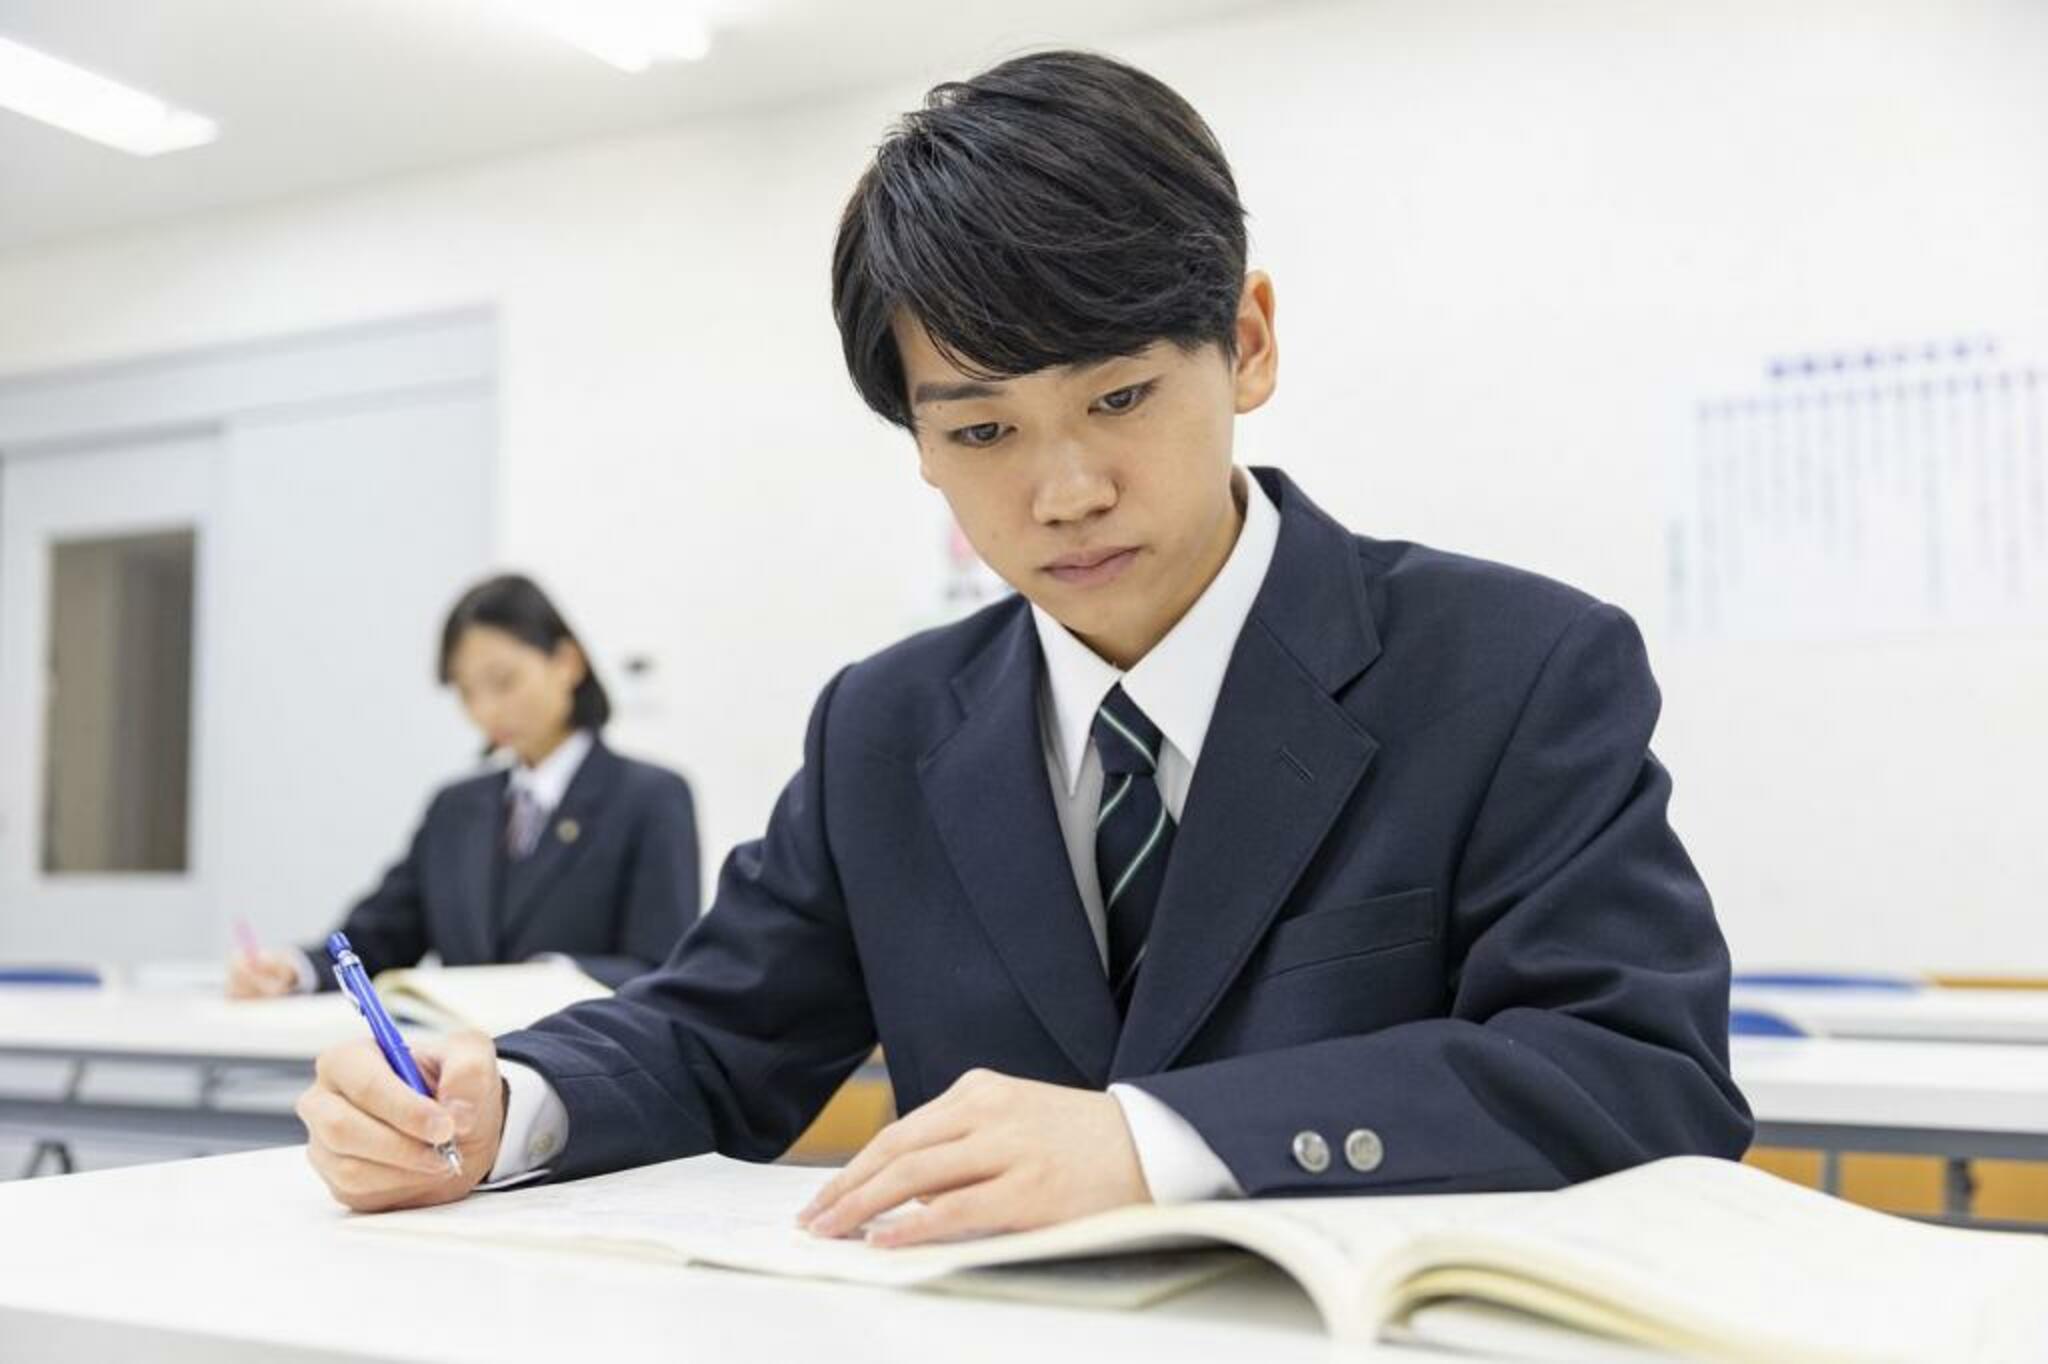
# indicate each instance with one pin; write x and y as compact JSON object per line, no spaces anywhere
{"x":1512,"y":245}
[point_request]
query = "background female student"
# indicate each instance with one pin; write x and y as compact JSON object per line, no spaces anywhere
{"x":571,"y":849}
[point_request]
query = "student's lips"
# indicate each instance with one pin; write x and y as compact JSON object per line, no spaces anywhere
{"x":1093,"y":567}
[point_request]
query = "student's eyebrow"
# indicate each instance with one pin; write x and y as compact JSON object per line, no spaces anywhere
{"x":963,"y":390}
{"x":1080,"y":367}
{"x":953,"y":392}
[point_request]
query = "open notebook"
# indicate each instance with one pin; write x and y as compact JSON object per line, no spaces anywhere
{"x":1692,"y":1256}
{"x":494,"y":998}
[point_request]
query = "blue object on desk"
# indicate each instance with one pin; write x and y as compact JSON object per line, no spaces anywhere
{"x":1824,"y":980}
{"x":1761,"y":1023}
{"x":355,"y":982}
{"x":84,"y":976}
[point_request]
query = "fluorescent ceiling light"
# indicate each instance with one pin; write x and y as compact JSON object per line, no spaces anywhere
{"x":630,"y":34}
{"x":78,"y":101}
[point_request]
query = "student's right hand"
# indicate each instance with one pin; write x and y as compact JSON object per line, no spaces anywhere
{"x":261,"y":975}
{"x":372,"y":1139}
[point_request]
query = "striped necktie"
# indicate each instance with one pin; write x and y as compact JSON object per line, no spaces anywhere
{"x":523,"y":822}
{"x":1133,"y":835}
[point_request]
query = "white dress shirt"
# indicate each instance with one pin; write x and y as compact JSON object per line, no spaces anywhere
{"x":1176,"y":685}
{"x":547,"y":781}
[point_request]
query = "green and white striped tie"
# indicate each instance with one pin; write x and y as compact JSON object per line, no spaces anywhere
{"x":1133,"y":835}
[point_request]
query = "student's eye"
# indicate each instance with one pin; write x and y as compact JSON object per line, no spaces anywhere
{"x":1126,"y":398}
{"x":979,"y":435}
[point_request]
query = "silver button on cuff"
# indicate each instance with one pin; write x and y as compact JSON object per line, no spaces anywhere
{"x":1363,"y":1150}
{"x":1311,"y":1152}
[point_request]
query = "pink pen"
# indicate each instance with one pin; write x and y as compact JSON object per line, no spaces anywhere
{"x":246,"y":936}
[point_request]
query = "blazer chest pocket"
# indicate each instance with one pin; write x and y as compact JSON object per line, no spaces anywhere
{"x":1359,"y":929}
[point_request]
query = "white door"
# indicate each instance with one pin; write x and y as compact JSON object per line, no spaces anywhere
{"x":108,"y":601}
{"x":217,"y":651}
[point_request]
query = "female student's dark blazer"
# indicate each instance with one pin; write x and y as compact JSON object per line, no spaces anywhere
{"x":612,"y":883}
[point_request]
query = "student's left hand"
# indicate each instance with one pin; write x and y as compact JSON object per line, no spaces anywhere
{"x":991,"y":1154}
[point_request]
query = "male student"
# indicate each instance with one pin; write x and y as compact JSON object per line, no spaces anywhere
{"x":1236,"y":855}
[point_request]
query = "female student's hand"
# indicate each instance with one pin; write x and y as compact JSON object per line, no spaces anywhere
{"x":261,"y":975}
{"x":993,"y":1153}
{"x":372,"y":1139}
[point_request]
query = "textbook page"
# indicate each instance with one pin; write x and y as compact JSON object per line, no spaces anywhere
{"x":1721,"y":1259}
{"x":1118,"y":1282}
{"x":496,"y":999}
{"x":711,"y":1210}
{"x":1482,"y":1328}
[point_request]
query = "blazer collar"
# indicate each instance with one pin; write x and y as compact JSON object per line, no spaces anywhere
{"x":988,"y":793}
{"x":478,"y":821}
{"x":1314,"y":599}
{"x":1282,"y":760}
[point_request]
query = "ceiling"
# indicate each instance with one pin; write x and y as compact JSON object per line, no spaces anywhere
{"x":313,"y":94}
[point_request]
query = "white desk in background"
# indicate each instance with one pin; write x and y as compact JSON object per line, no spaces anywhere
{"x":68,"y":1037}
{"x":1921,"y":1014}
{"x":243,"y":1258}
{"x":1959,"y":1100}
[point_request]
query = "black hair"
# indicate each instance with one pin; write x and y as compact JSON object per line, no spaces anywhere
{"x":1061,"y":208}
{"x":514,"y":603}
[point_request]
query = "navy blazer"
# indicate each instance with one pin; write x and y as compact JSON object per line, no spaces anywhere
{"x":1423,"y":890}
{"x":613,"y":881}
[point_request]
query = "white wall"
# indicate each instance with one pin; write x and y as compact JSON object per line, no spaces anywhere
{"x":1510,"y":241}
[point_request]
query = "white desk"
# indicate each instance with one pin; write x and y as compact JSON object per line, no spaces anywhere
{"x":1929,"y":1014}
{"x":78,"y":1029}
{"x":1960,"y":1100}
{"x":242,"y":1257}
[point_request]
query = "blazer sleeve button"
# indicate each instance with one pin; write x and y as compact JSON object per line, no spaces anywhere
{"x":1363,"y":1150}
{"x":1311,"y":1152}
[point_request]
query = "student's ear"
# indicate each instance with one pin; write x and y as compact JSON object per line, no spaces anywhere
{"x":568,"y":657}
{"x":1258,"y":350}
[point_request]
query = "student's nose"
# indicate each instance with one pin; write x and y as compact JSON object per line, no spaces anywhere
{"x":484,"y":715}
{"x":1073,"y":487}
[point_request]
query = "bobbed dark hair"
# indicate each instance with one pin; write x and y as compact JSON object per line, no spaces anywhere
{"x":514,"y":603}
{"x":1061,"y":208}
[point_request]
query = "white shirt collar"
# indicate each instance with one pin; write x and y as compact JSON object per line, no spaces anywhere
{"x":549,"y":781}
{"x":1177,"y":683}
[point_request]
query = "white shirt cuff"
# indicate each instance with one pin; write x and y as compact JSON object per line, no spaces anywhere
{"x":309,"y":979}
{"x":1179,"y":1167}
{"x":536,"y":1126}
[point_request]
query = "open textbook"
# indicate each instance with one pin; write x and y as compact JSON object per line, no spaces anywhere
{"x":494,"y":998}
{"x":1690,"y":1256}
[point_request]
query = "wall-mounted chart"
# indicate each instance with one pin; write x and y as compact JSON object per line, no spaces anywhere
{"x":1895,"y":489}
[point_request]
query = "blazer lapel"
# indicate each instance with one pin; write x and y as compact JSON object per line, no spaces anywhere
{"x":1281,"y":760}
{"x":479,"y":830}
{"x":562,"y":839}
{"x":991,"y":799}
